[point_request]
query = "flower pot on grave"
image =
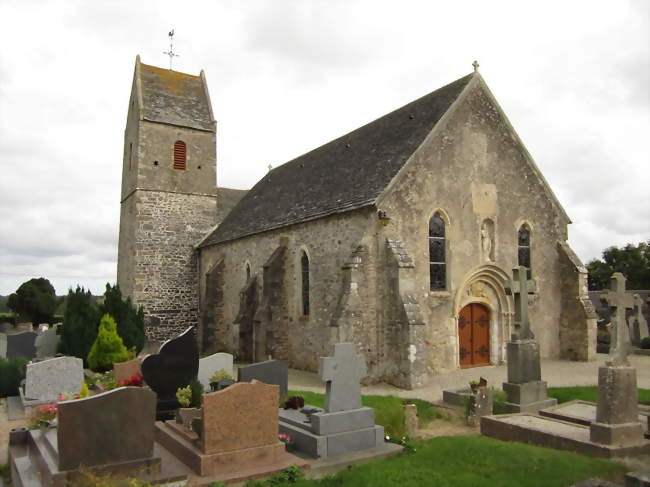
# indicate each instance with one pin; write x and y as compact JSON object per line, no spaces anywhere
{"x":185,"y":416}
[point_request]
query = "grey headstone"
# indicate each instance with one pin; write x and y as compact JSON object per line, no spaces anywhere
{"x":46,"y":343}
{"x":113,"y":427}
{"x":215,"y":362}
{"x":3,"y":345}
{"x":343,"y":373}
{"x":21,"y":345}
{"x":5,"y":327}
{"x":48,"y":379}
{"x":269,"y":372}
{"x":619,"y":301}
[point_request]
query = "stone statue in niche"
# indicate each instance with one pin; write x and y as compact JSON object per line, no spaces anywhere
{"x":486,"y":241}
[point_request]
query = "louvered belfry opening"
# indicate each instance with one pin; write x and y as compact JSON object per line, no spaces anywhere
{"x":180,"y":155}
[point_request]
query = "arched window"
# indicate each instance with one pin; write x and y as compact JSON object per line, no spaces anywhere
{"x":304,"y":268}
{"x":523,"y":247}
{"x":180,"y":155}
{"x":248,"y":272}
{"x":437,"y":264}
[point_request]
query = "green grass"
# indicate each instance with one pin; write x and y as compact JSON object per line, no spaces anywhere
{"x":587,"y":393}
{"x":388,"y":410}
{"x":475,"y":461}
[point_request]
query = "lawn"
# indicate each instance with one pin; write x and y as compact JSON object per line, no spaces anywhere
{"x":476,"y":461}
{"x":589,"y":393}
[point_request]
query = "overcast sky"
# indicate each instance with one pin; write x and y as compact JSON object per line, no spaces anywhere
{"x":287,"y":76}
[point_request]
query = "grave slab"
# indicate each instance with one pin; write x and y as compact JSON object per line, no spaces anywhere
{"x":344,"y":425}
{"x":269,"y":372}
{"x":91,"y":436}
{"x":583,"y":412}
{"x":47,"y":380}
{"x":215,"y":362}
{"x":553,"y":433}
{"x":246,"y":440}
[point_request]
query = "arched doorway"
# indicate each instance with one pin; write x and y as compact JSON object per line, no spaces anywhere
{"x":474,"y":335}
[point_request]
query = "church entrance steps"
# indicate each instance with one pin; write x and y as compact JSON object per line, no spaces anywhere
{"x":554,"y":433}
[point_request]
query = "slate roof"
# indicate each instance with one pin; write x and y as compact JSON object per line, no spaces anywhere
{"x":175,"y":98}
{"x":227,"y":198}
{"x":343,"y":175}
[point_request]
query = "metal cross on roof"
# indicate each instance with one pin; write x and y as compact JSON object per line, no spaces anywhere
{"x":618,"y":300}
{"x":520,"y":287}
{"x":476,"y":65}
{"x":171,"y":52}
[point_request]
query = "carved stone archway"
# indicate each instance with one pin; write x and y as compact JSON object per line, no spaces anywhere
{"x":486,"y":285}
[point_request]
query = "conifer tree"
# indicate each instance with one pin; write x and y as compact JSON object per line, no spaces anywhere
{"x":130,"y":322}
{"x":108,"y":347}
{"x":80,"y":321}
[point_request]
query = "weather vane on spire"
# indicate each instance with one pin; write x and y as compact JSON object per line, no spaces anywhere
{"x":171,"y":52}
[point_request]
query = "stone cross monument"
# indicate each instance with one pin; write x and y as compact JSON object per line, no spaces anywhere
{"x":619,"y":301}
{"x":343,"y":373}
{"x":617,"y":413}
{"x":520,"y":287}
{"x":639,"y":324}
{"x":525,"y":389}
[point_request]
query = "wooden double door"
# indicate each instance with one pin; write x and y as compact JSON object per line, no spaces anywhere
{"x":474,"y":335}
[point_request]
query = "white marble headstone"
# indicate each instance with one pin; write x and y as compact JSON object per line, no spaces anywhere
{"x":209,"y":365}
{"x":48,"y":379}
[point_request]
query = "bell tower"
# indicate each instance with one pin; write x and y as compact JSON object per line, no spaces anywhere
{"x":168,"y":201}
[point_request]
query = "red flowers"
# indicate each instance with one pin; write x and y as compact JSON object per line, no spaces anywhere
{"x":136,"y":381}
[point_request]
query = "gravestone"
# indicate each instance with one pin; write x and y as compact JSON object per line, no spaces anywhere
{"x":480,"y":404}
{"x":173,"y":367}
{"x":209,"y":365}
{"x":46,"y":380}
{"x":344,"y":425}
{"x":21,"y":345}
{"x":126,"y":370}
{"x":26,"y":326}
{"x":110,"y":433}
{"x":237,"y":433}
{"x":5,"y":327}
{"x":525,"y":390}
{"x":342,"y":374}
{"x":42,"y":327}
{"x":3,"y":345}
{"x":47,"y":342}
{"x":639,"y":325}
{"x":269,"y":372}
{"x":617,"y":414}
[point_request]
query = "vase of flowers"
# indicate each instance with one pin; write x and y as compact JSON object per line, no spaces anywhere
{"x":289,"y":445}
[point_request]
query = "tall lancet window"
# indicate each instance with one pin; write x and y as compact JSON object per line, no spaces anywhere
{"x":523,"y":247}
{"x":304,"y":268}
{"x":437,"y":262}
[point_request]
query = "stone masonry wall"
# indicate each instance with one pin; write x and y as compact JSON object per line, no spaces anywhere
{"x":165,"y":280}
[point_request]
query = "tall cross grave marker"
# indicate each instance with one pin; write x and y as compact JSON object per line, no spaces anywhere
{"x":520,"y":287}
{"x":618,"y":300}
{"x":343,"y":373}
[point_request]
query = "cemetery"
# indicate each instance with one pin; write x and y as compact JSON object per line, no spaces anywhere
{"x":173,"y":417}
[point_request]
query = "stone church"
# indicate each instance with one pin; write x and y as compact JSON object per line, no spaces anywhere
{"x":399,"y":236}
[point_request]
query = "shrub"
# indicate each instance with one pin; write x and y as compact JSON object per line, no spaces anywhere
{"x":220,"y":374}
{"x":645,"y":343}
{"x":80,"y":322}
{"x":8,"y":318}
{"x":108,"y":347}
{"x":12,"y":371}
{"x":184,"y":396}
{"x":197,"y":391}
{"x":130,"y":321}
